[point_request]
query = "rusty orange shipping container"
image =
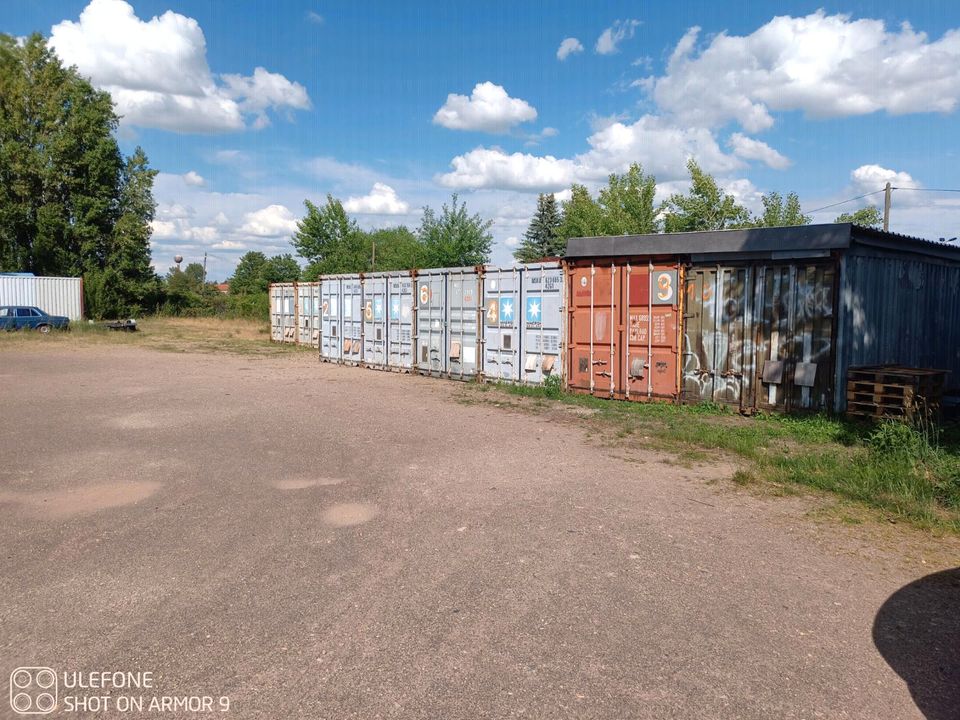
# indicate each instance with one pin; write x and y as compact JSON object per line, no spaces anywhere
{"x":624,"y":328}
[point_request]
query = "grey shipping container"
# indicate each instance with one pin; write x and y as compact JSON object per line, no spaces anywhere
{"x":448,"y":322}
{"x":54,"y":295}
{"x":308,"y":319}
{"x":283,"y":312}
{"x":388,"y":320}
{"x":502,"y":336}
{"x":331,"y":342}
{"x":351,"y":319}
{"x":544,"y":321}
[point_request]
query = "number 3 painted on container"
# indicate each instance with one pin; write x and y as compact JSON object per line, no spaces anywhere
{"x":664,"y":287}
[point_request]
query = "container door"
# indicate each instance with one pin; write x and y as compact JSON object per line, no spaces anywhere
{"x":501,"y":324}
{"x":794,"y":308}
{"x":330,"y":328}
{"x":718,"y":358}
{"x":399,"y":335}
{"x":276,"y":313}
{"x":431,"y":323}
{"x":352,"y":318}
{"x":304,"y":313}
{"x":375,"y":321}
{"x":651,"y":302}
{"x":543,"y":321}
{"x":594,"y":361}
{"x":315,"y":316}
{"x":290,"y":313}
{"x":463,"y":327}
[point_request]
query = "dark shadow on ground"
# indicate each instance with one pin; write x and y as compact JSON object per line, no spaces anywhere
{"x":917,"y":630}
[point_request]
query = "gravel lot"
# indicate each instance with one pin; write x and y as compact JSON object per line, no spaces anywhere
{"x":326,"y":542}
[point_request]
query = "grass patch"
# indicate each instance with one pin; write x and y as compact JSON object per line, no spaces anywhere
{"x":907,"y":473}
{"x":208,"y":335}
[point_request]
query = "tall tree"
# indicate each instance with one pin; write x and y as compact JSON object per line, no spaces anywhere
{"x":627,"y":203}
{"x":582,"y":216}
{"x":70,"y":204}
{"x":254,"y":272}
{"x":868,"y":216}
{"x":705,"y":207}
{"x":322,"y":231}
{"x":777,"y":213}
{"x":454,"y":238}
{"x":542,"y":238}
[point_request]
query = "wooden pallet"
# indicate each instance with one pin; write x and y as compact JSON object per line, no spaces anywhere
{"x":894,"y":391}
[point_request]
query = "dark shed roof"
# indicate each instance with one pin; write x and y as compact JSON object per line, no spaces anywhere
{"x":779,"y":241}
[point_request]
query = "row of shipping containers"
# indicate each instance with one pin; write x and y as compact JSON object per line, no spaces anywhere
{"x":463,"y":323}
{"x":756,"y":319}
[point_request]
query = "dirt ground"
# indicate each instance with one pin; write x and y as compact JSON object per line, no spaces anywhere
{"x":316,"y":541}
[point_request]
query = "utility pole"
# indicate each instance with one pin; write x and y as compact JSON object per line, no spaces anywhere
{"x":373,"y":256}
{"x":205,"y":255}
{"x":886,"y":207}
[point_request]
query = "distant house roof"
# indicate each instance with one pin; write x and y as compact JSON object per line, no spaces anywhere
{"x":777,"y":241}
{"x":223,"y":287}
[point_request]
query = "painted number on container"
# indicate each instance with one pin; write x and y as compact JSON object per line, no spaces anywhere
{"x":368,"y":310}
{"x":493,"y":312}
{"x":666,"y":287}
{"x":424,"y":294}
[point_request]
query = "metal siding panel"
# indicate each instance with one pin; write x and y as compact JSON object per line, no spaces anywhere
{"x":502,"y":340}
{"x":54,"y":295}
{"x":375,"y":313}
{"x":542,"y":316}
{"x":431,"y":355}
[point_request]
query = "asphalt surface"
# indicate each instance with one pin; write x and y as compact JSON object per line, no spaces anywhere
{"x":315,"y":541}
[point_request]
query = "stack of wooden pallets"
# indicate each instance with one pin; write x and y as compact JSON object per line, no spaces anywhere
{"x":894,"y":391}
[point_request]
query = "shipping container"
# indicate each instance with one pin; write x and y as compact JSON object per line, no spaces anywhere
{"x":544,"y":319}
{"x":308,"y":320}
{"x":502,"y":335}
{"x":351,"y":319}
{"x":770,"y":318}
{"x":759,"y":336}
{"x":448,"y":322}
{"x":61,"y":296}
{"x":400,"y":321}
{"x":388,"y":320}
{"x":331,"y":341}
{"x":624,"y":329}
{"x":283,"y":312}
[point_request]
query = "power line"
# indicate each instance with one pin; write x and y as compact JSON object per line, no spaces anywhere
{"x":927,"y":189}
{"x":844,"y":202}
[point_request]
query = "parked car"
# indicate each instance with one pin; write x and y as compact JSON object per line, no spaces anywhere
{"x":24,"y":317}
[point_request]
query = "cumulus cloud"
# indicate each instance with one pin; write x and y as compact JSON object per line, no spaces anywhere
{"x":752,"y":149}
{"x":194,"y":179}
{"x":615,"y":34}
{"x":488,"y":109}
{"x":569,"y":46}
{"x":381,"y":200}
{"x":511,"y":241}
{"x":823,"y":65}
{"x":157,"y":72}
{"x":273,"y":221}
{"x":662,"y":148}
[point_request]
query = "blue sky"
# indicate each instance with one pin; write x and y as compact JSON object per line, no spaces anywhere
{"x":247,"y":109}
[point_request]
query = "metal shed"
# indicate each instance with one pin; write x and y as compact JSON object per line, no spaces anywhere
{"x":766,"y":318}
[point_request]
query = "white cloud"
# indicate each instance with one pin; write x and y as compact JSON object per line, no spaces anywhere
{"x":611,"y":37}
{"x":229,"y":245}
{"x":273,"y":221}
{"x":511,"y":241}
{"x":315,"y":17}
{"x":157,"y":73}
{"x":493,"y":168}
{"x":488,"y":109}
{"x":663,"y":149}
{"x":823,"y":65}
{"x":874,"y":177}
{"x":569,"y":46}
{"x":753,"y":149}
{"x":194,"y":179}
{"x":381,"y":200}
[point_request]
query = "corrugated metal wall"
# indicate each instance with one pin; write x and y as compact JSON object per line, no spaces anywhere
{"x":54,"y":295}
{"x":898,"y":309}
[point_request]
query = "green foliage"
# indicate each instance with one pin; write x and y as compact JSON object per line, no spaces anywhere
{"x":70,"y":204}
{"x":553,"y":386}
{"x":582,"y":215}
{"x":542,"y":238}
{"x":396,"y":249}
{"x":322,"y":233}
{"x":454,"y":238}
{"x":627,"y":203}
{"x":869,"y":216}
{"x":254,"y":272}
{"x":704,"y":207}
{"x":777,"y":213}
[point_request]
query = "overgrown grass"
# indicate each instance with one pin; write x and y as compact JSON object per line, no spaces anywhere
{"x":212,"y":335}
{"x":907,"y":473}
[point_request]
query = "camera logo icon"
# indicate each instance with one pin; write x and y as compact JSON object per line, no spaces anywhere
{"x":33,"y":690}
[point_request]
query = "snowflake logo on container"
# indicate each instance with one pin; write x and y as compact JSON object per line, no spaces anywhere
{"x":395,"y":310}
{"x":534,"y":309}
{"x":506,"y":310}
{"x":378,"y":309}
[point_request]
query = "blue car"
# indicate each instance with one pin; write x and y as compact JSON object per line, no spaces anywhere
{"x":25,"y":317}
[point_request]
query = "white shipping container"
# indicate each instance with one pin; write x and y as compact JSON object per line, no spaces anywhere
{"x":54,"y":295}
